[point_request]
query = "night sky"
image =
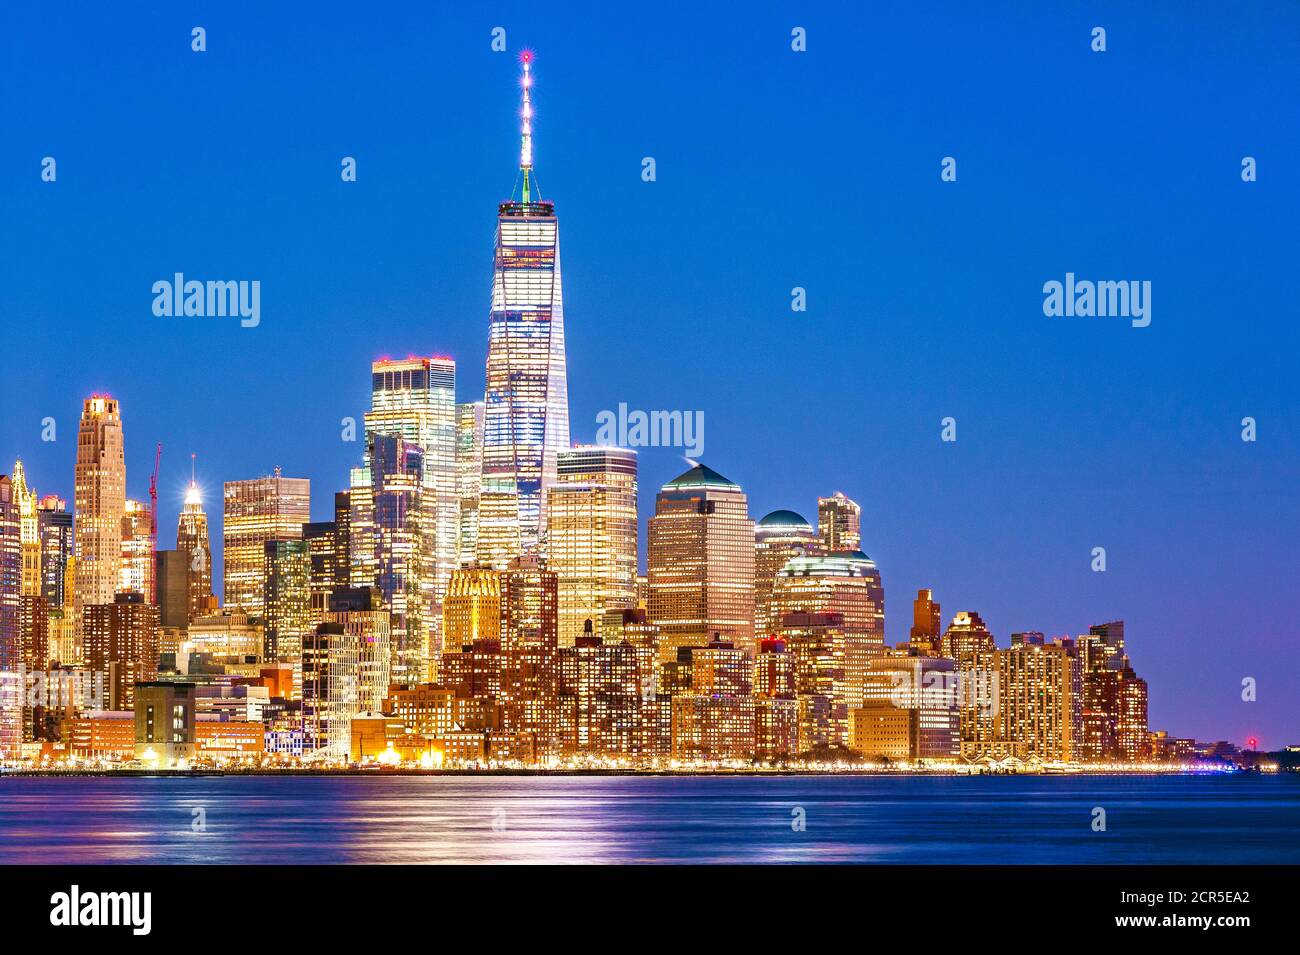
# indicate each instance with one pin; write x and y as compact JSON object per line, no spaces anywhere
{"x":775,"y":169}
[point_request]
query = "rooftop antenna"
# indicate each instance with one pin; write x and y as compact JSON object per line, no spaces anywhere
{"x":526,"y":126}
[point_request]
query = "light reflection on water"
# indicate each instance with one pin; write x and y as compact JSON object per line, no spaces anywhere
{"x":575,"y":819}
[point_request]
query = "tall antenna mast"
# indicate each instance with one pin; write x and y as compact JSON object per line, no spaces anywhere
{"x":526,"y":115}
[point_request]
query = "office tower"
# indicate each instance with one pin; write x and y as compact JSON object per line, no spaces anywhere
{"x":778,"y":538}
{"x":817,"y":641}
{"x":469,"y":476}
{"x":526,"y":403}
{"x":172,"y":573}
{"x":121,"y":641}
{"x":135,"y":573}
{"x":99,"y":503}
{"x":361,"y":612}
{"x":615,"y":684}
{"x":286,"y":601}
{"x":701,"y":562}
{"x":402,"y":544}
{"x":839,"y":522}
{"x":28,"y":531}
{"x":256,"y":511}
{"x":539,"y":705}
{"x":11,"y":577}
{"x":923,"y":686}
{"x":329,"y":690}
{"x":54,"y":522}
{"x":192,"y":541}
{"x":927,"y":624}
{"x":415,"y":399}
{"x":34,"y":632}
{"x":592,"y":531}
{"x":846,"y":583}
{"x":776,"y":707}
{"x":629,"y":626}
{"x":1037,"y":699}
{"x":970,"y":645}
{"x":471,"y":611}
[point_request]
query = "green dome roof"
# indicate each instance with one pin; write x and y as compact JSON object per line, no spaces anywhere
{"x":699,"y":476}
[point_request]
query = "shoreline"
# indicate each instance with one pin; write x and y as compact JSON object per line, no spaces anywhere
{"x":523,"y":773}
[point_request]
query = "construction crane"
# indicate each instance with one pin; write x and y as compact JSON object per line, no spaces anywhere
{"x":153,"y":528}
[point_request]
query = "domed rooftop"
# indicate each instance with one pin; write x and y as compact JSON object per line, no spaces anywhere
{"x":784,"y":519}
{"x":699,"y":476}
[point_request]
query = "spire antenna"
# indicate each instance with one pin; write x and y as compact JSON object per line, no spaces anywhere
{"x":526,"y":123}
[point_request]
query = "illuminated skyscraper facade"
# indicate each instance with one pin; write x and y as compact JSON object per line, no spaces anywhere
{"x":469,"y":476}
{"x":192,"y":541}
{"x":256,"y":511}
{"x":701,"y":563}
{"x":526,"y":413}
{"x":28,"y":531}
{"x":778,"y":538}
{"x":839,"y":522}
{"x":287,"y":614}
{"x":415,"y":399}
{"x":592,"y":531}
{"x":100,"y":501}
{"x":11,"y":575}
{"x":135,"y":573}
{"x":54,"y":522}
{"x":403,"y":548}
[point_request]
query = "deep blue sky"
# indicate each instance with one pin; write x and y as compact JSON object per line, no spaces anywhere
{"x":775,"y":169}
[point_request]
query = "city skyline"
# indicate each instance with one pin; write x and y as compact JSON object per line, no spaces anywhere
{"x":1009,"y":607}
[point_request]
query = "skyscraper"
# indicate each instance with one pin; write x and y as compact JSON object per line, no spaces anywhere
{"x":256,"y":511}
{"x":415,"y":398}
{"x":136,"y":570}
{"x":54,"y":522}
{"x":287,"y":613}
{"x":592,"y":531}
{"x":122,"y":643}
{"x":192,"y":541}
{"x":11,"y":575}
{"x":927,"y":624}
{"x":778,"y":538}
{"x":526,"y":413}
{"x":469,"y":475}
{"x":403,"y":547}
{"x":701,"y":562}
{"x":28,"y":531}
{"x":99,"y":502}
{"x":839,"y":521}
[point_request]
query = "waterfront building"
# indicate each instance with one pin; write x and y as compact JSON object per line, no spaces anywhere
{"x":927,"y":624}
{"x":54,"y":527}
{"x":926,"y":686}
{"x":469,"y":477}
{"x":11,"y":576}
{"x":779,"y":538}
{"x":329,"y":690}
{"x":364,"y":617}
{"x":592,"y":532}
